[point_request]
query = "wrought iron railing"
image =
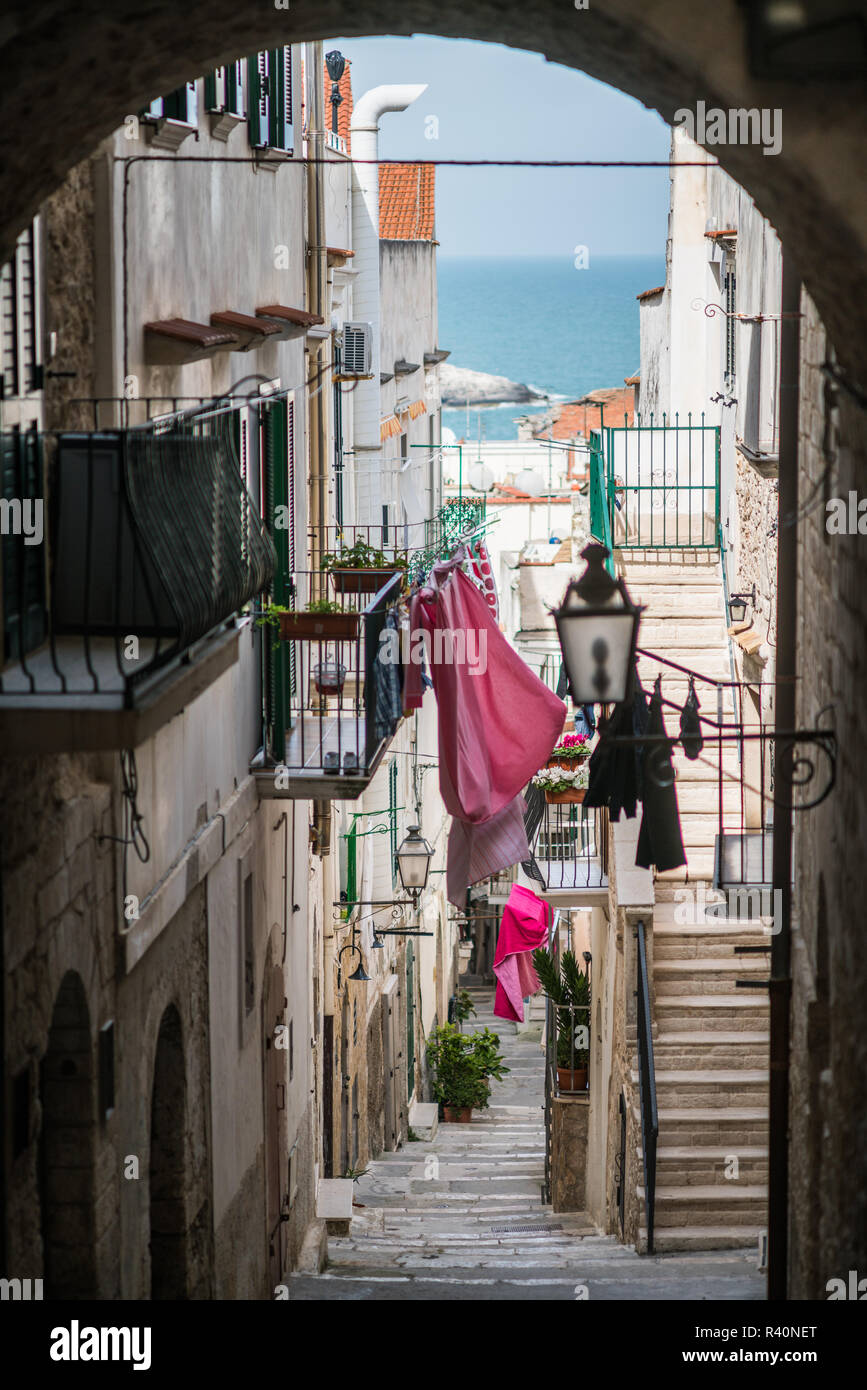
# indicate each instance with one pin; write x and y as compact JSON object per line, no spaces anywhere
{"x":151,"y":541}
{"x":569,"y":844}
{"x":646,"y":1084}
{"x":656,"y":486}
{"x":327,"y":708}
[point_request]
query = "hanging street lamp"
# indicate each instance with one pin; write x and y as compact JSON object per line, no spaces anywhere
{"x":413,"y":862}
{"x":335,"y":64}
{"x":597,"y":624}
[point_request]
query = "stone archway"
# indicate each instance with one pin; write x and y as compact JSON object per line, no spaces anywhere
{"x":72,"y":73}
{"x":66,"y":1148}
{"x":167,"y":1178}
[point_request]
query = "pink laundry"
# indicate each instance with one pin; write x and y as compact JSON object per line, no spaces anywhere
{"x":525,"y":925}
{"x":497,"y":727}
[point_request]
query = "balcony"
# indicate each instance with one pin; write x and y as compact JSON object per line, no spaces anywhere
{"x":131,"y":602}
{"x":570,"y":851}
{"x":327,"y":727}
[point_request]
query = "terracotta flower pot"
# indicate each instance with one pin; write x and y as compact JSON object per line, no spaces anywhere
{"x":560,"y":760}
{"x":457,"y":1115}
{"x":322,"y":626}
{"x":354,"y":580}
{"x":569,"y":1080}
{"x":572,"y":796}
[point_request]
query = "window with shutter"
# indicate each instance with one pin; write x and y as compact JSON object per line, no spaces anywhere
{"x":277,"y":442}
{"x":21,"y":370}
{"x":173,"y":118}
{"x":731,"y":321}
{"x":259,"y":86}
{"x":22,"y":565}
{"x":225,"y":98}
{"x":281,"y":128}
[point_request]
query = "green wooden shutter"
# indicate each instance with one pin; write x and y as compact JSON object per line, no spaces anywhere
{"x":410,"y":1019}
{"x":215,"y":90}
{"x":392,"y":815}
{"x":258,"y":83}
{"x":236,"y":88}
{"x":278,"y":456}
{"x":23,"y":566}
{"x":280,"y":115}
{"x":182,"y":104}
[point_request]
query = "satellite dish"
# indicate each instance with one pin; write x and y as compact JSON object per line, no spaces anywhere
{"x":480,"y":477}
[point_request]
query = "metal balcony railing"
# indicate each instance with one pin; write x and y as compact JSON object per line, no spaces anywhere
{"x":150,"y":542}
{"x":569,"y":843}
{"x":330,"y":705}
{"x":656,"y":485}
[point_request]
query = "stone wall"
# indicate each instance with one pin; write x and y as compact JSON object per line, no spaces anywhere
{"x":828,"y":1118}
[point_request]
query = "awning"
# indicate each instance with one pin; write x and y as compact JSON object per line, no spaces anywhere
{"x":389,"y":427}
{"x":415,"y":409}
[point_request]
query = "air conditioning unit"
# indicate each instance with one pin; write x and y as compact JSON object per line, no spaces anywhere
{"x":357,"y":352}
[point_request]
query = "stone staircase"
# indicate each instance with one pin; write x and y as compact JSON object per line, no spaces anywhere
{"x":460,"y":1217}
{"x":711,"y":1038}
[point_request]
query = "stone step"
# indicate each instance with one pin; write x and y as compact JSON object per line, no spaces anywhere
{"x":710,"y":944}
{"x":728,"y":1126}
{"x":713,"y":974}
{"x":745,"y":1009}
{"x":699,"y":1087}
{"x":707,"y":1053}
{"x":722,"y":1237}
{"x":709,"y":1164}
{"x":728,"y":1205}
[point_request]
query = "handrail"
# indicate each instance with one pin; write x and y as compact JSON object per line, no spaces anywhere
{"x":647,"y":1085}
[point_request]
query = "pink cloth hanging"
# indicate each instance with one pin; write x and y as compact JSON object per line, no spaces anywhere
{"x":497,"y":723}
{"x":480,"y":563}
{"x":525,"y":925}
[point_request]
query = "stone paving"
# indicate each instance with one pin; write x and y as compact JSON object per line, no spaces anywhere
{"x":462,"y":1217}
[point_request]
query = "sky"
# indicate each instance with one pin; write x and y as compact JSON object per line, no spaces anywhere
{"x":489,"y":101}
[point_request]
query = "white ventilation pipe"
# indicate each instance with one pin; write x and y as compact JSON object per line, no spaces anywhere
{"x":364,"y":127}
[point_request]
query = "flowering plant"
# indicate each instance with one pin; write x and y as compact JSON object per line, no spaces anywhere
{"x":562,"y":779}
{"x":571,"y":746}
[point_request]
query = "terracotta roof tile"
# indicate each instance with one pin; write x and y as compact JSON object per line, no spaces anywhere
{"x":574,"y":418}
{"x":648,"y":294}
{"x":406,"y":202}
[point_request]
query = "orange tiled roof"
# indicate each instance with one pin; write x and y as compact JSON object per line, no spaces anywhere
{"x":580,"y":417}
{"x":649,"y":294}
{"x":406,"y":202}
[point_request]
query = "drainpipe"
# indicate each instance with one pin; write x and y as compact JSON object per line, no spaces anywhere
{"x":365,"y":240}
{"x":317,"y":290}
{"x":318,"y":372}
{"x":785,"y":712}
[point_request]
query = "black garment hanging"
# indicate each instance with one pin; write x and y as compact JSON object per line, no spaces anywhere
{"x":615,"y":769}
{"x":690,"y":725}
{"x":660,"y":841}
{"x":535,"y":802}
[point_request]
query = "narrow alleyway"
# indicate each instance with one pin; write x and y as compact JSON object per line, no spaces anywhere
{"x":462,"y":1217}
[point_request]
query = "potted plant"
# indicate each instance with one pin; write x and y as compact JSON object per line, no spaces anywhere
{"x":572,"y":750}
{"x":459,"y":1082}
{"x":461,"y":1007}
{"x":322,"y":619}
{"x":569,"y":991}
{"x":490,"y":1058}
{"x":563,"y":784}
{"x":361,"y":568}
